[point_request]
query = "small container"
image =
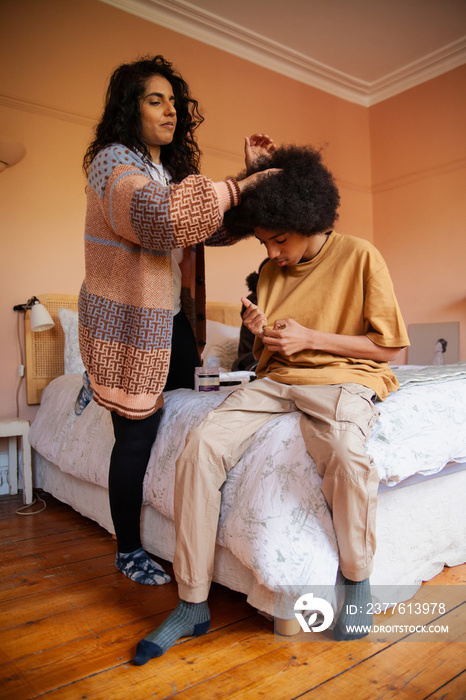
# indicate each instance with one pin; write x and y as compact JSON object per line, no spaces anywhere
{"x":207,"y":379}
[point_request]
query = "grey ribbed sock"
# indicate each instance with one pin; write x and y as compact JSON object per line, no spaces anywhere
{"x":354,"y":626}
{"x":187,"y":620}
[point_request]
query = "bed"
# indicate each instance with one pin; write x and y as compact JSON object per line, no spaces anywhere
{"x":275,"y":532}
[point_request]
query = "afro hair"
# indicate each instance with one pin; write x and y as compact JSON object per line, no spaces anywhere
{"x":302,"y":197}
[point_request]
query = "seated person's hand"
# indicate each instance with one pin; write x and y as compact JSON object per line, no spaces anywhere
{"x":253,"y":318}
{"x":286,"y":337}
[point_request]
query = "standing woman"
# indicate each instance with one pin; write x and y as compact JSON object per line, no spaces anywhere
{"x":146,"y":202}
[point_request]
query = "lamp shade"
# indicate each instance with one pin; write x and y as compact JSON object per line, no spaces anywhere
{"x":11,"y":152}
{"x":41,"y":320}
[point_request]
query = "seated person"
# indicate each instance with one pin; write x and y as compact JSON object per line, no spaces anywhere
{"x":326,"y":324}
{"x":246,"y":360}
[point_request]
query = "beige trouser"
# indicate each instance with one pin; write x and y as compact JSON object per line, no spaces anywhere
{"x":335,"y":424}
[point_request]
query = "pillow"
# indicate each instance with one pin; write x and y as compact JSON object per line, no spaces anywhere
{"x":69,"y":323}
{"x":221,"y":348}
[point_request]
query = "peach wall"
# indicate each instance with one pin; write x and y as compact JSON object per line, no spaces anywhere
{"x":59,"y":57}
{"x":418,"y":146}
{"x":400,"y":165}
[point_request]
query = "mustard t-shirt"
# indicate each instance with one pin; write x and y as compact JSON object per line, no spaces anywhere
{"x":346,"y":289}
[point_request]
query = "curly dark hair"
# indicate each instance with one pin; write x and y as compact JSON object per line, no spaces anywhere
{"x":121,"y":118}
{"x":302,"y":198}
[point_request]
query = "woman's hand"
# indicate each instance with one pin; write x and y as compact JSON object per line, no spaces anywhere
{"x":253,"y":179}
{"x":256,"y":146}
{"x":253,"y":318}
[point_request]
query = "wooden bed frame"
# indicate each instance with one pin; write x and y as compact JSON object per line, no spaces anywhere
{"x":45,"y":350}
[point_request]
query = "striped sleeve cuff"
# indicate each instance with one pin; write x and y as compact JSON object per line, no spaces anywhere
{"x":228,"y":193}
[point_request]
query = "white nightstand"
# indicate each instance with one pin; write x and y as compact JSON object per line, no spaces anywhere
{"x":13,"y":428}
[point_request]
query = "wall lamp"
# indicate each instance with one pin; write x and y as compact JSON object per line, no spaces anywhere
{"x":41,"y":320}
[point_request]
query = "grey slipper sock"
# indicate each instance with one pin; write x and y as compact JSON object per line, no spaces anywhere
{"x":187,"y":620}
{"x":139,"y":567}
{"x":357,"y":625}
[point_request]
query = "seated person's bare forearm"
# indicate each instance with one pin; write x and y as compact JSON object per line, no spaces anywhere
{"x":288,"y":337}
{"x":357,"y":346}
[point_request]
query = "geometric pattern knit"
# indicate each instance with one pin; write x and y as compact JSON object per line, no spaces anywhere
{"x":126,"y":300}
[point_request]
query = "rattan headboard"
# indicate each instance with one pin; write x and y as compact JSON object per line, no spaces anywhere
{"x":45,"y":350}
{"x":223,"y":312}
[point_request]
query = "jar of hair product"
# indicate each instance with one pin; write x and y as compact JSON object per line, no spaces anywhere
{"x":207,"y":379}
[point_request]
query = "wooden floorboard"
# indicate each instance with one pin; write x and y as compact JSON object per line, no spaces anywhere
{"x":70,"y":622}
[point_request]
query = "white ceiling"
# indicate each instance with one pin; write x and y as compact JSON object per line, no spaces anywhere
{"x":361,"y":50}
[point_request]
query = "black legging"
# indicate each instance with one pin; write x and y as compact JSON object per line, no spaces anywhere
{"x":134,"y":440}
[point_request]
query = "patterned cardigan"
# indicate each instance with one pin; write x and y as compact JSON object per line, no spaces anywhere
{"x":126,"y":300}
